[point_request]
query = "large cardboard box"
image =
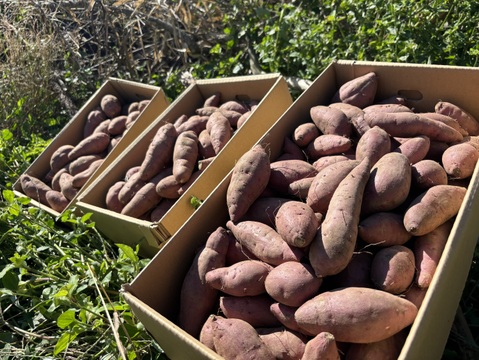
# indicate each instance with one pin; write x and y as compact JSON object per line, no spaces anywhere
{"x":275,"y":98}
{"x":157,"y":306}
{"x":72,"y":133}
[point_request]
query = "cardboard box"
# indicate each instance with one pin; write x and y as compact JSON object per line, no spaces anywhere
{"x":157,"y":306}
{"x":275,"y":98}
{"x":72,"y":133}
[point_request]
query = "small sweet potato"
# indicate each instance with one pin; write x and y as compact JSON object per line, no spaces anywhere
{"x":219,"y":128}
{"x":446,"y":120}
{"x":132,"y":184}
{"x":205,"y":148}
{"x":264,"y":209}
{"x":285,"y":172}
{"x":56,"y":200}
{"x":342,"y":312}
{"x":143,"y":104}
{"x":111,"y":105}
{"x":464,"y":118}
{"x":213,"y":99}
{"x":388,"y":185}
{"x":234,"y":105}
{"x":299,"y":189}
{"x":324,"y":161}
{"x":197,"y":123}
{"x":159,"y":152}
{"x":296,"y":222}
{"x":131,"y":118}
{"x":283,"y":343}
{"x":428,"y":250}
{"x":360,"y":91}
{"x":168,"y":187}
{"x":334,"y":244}
{"x":355,"y":116}
{"x":117,"y":125}
{"x":197,"y":299}
{"x":55,"y":183}
{"x":34,"y":188}
{"x":331,"y":120}
{"x":94,"y":118}
{"x":264,"y":242}
{"x":66,"y":186}
{"x":427,"y":173}
{"x":59,"y":158}
{"x":459,"y":160}
{"x":249,"y":179}
{"x":82,"y":177}
{"x":206,"y":110}
{"x":321,"y":347}
{"x":244,"y":278}
{"x":185,"y":155}
{"x":242,"y":119}
{"x":328,"y":144}
{"x":373,"y":144}
{"x":416,"y":148}
{"x":285,"y":315}
{"x":111,"y":199}
{"x":82,"y":163}
{"x":252,"y":309}
{"x":94,"y":144}
{"x":432,"y":208}
{"x":103,"y":127}
{"x":393,"y":269}
{"x":384,"y":228}
{"x":292,"y":283}
{"x":305,"y":133}
{"x":233,"y":116}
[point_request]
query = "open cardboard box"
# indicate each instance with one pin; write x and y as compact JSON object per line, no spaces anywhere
{"x":72,"y":133}
{"x":157,"y":306}
{"x":275,"y":98}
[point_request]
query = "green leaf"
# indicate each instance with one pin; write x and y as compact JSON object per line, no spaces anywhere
{"x":7,"y":134}
{"x":128,"y":251}
{"x":8,"y":195}
{"x":10,"y":280}
{"x":63,"y":342}
{"x":66,"y":319}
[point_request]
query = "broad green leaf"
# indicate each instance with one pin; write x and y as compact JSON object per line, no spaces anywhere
{"x":66,"y":319}
{"x":63,"y":342}
{"x":8,"y":195}
{"x":61,"y":293}
{"x":128,"y":251}
{"x":10,"y":281}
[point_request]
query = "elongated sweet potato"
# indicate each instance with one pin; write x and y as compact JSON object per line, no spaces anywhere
{"x":334,"y":244}
{"x":205,"y":148}
{"x":446,"y":120}
{"x":252,"y":309}
{"x":464,"y":118}
{"x":56,"y":200}
{"x":264,"y":209}
{"x":59,"y":158}
{"x":117,"y":125}
{"x":384,"y":228}
{"x":321,"y":347}
{"x":34,"y":188}
{"x":331,"y":120}
{"x":300,"y":188}
{"x":292,"y":283}
{"x":159,"y":152}
{"x":282,"y":342}
{"x":197,"y":299}
{"x":428,"y":250}
{"x":285,"y":172}
{"x":264,"y":242}
{"x":94,"y":144}
{"x":344,"y":313}
{"x":393,"y":269}
{"x":388,"y":107}
{"x":185,"y":155}
{"x":360,"y":91}
{"x":296,"y":222}
{"x":94,"y":118}
{"x":197,"y":123}
{"x":82,"y":177}
{"x":324,"y":161}
{"x":219,"y":128}
{"x":82,"y":163}
{"x":405,"y":124}
{"x":245,"y":278}
{"x":427,"y":173}
{"x":432,"y":208}
{"x":388,"y":185}
{"x":112,"y":201}
{"x":66,"y":186}
{"x":355,"y":116}
{"x":55,"y":183}
{"x":373,"y":144}
{"x":234,"y":105}
{"x":249,"y":179}
{"x":328,"y":144}
{"x":132,"y":184}
{"x":459,"y":160}
{"x":305,"y":133}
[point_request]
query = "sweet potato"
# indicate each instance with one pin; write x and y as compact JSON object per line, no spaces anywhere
{"x":66,"y":186}
{"x":82,"y":177}
{"x":234,"y":105}
{"x":464,"y":118}
{"x":356,"y":274}
{"x":233,"y":116}
{"x":168,"y":187}
{"x":325,"y":183}
{"x":242,"y":119}
{"x":249,"y":179}
{"x":160,"y":210}
{"x":292,"y":283}
{"x":405,"y":124}
{"x":305,"y":133}
{"x":296,"y":222}
{"x":446,"y":120}
{"x":428,"y":250}
{"x":133,"y":183}
{"x":236,"y":252}
{"x":82,"y":163}
{"x":185,"y":155}
{"x":291,"y":151}
{"x":264,"y":242}
{"x":219,"y":128}
{"x":416,"y":148}
{"x":131,"y":118}
{"x":360,"y":91}
{"x":299,"y":189}
{"x":235,"y":339}
{"x":244,"y":278}
{"x":321,"y":347}
{"x":56,"y":200}
{"x":283,"y":343}
{"x":384,"y":228}
{"x":159,"y":152}
{"x":252,"y":309}
{"x":427,"y":173}
{"x":145,"y":199}
{"x":117,"y":125}
{"x":111,"y":105}
{"x":197,"y":123}
{"x":387,"y":108}
{"x":331,"y":120}
{"x":355,"y":116}
{"x":285,"y":172}
{"x":388,"y":185}
{"x":324,"y":161}
{"x":94,"y":144}
{"x":103,"y":127}
{"x":213,"y":99}
{"x":205,"y":147}
{"x":55,"y":183}
{"x":432,"y":208}
{"x":373,"y":144}
{"x":143,"y":104}
{"x":184,"y":187}
{"x":94,"y":118}
{"x":334,"y":244}
{"x":111,"y":200}
{"x":393,"y":268}
{"x":285,"y":315}
{"x":59,"y":158}
{"x":206,"y":110}
{"x":34,"y":188}
{"x":459,"y":160}
{"x":264,"y":209}
{"x":328,"y":144}
{"x":356,"y":314}
{"x":197,"y":299}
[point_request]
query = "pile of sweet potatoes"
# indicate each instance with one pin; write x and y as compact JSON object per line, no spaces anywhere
{"x":331,"y":247}
{"x":176,"y":156}
{"x":71,"y":165}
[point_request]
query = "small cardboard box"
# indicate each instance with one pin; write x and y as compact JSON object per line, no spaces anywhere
{"x":275,"y":98}
{"x":72,"y":133}
{"x":157,"y":306}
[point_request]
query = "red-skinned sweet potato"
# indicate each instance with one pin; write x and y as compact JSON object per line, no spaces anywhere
{"x":360,"y":91}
